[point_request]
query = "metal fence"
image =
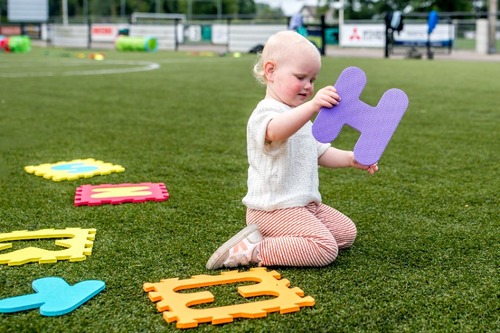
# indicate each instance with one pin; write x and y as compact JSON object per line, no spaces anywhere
{"x":229,"y":35}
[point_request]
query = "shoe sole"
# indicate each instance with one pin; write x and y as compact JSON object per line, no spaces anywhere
{"x":216,"y":260}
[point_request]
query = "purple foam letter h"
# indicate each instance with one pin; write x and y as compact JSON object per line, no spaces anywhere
{"x":376,"y":124}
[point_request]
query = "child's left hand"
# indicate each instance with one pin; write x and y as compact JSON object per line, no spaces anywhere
{"x":370,"y":168}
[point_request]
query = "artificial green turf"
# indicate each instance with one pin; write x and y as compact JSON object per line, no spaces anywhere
{"x":426,"y":257}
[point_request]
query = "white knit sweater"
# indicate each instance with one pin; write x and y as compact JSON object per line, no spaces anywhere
{"x":281,"y":174}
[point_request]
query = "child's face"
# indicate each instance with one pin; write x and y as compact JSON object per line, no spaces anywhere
{"x":292,"y":80}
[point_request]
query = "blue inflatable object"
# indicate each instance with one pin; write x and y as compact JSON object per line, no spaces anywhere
{"x":432,"y":21}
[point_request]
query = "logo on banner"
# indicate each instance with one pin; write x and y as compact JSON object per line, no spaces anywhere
{"x":355,"y":35}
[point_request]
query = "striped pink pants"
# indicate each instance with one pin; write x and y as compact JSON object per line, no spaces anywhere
{"x":302,"y":236}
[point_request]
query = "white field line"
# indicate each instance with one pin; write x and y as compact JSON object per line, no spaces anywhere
{"x":136,"y":66}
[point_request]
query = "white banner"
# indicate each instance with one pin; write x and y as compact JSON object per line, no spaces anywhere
{"x":373,"y":35}
{"x":220,"y":34}
{"x":28,"y":10}
{"x":362,"y":35}
{"x":416,"y":34}
{"x":104,"y":32}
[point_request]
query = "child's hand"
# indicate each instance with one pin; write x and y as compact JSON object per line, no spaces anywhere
{"x":326,"y":97}
{"x":370,"y":168}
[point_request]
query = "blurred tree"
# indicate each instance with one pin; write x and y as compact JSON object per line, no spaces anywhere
{"x":443,"y":5}
{"x":247,"y":7}
{"x":113,"y":7}
{"x":354,"y":9}
{"x":367,"y":9}
{"x":227,"y":7}
{"x":3,"y":10}
{"x":264,"y":11}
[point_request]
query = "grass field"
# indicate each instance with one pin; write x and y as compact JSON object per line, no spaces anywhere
{"x":468,"y":44}
{"x":427,"y":254}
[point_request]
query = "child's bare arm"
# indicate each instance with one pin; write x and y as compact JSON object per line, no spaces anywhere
{"x":337,"y":158}
{"x":287,"y":123}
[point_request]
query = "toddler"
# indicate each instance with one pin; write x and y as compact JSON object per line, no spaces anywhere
{"x":287,"y":224}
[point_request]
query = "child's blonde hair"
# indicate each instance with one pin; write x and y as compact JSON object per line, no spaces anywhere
{"x":277,"y":47}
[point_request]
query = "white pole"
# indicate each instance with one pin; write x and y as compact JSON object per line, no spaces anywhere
{"x":492,"y":20}
{"x":341,"y":19}
{"x":65,"y":12}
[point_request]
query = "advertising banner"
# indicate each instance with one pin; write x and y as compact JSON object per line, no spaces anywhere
{"x":373,"y":35}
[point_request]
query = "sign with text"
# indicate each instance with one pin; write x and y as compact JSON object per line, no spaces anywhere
{"x":362,"y":35}
{"x":104,"y":32}
{"x":373,"y":35}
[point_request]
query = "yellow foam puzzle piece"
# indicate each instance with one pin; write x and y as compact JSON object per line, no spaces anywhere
{"x":176,"y":306}
{"x":71,"y":170}
{"x":77,"y":241}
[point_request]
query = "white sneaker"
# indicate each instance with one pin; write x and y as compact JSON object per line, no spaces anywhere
{"x":238,"y":250}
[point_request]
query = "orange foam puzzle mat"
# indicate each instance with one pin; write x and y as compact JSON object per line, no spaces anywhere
{"x":177,"y":305}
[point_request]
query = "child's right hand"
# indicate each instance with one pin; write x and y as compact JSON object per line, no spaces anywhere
{"x":326,"y":97}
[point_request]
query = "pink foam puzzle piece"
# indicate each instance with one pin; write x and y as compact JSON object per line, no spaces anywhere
{"x":93,"y":195}
{"x":376,"y":124}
